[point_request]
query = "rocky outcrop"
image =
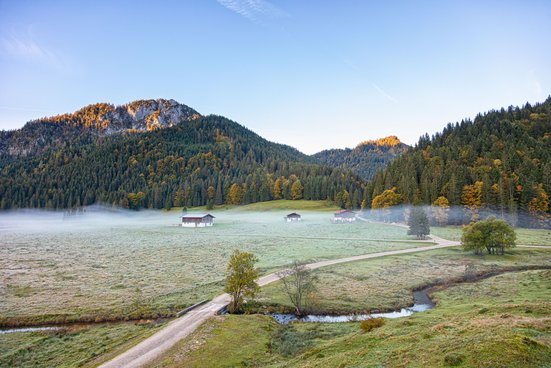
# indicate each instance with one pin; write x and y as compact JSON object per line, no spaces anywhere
{"x":93,"y":122}
{"x":137,"y":116}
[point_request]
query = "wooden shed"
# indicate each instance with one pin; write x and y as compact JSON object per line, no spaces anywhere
{"x":344,"y":216}
{"x":197,"y":220}
{"x":293,"y":217}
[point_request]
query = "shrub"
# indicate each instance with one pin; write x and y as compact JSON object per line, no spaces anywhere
{"x":454,"y":359}
{"x":371,"y":323}
{"x":288,"y":342}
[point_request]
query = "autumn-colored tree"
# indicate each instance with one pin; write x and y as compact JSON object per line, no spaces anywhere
{"x":235,"y":195}
{"x":345,"y":199}
{"x":135,"y":200}
{"x":539,"y":205}
{"x":211,"y":192}
{"x":296,"y":190}
{"x":472,"y":199}
{"x":440,"y":208}
{"x":277,"y":188}
{"x":241,"y":278}
{"x":386,"y":199}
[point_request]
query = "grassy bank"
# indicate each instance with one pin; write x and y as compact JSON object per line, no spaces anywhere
{"x":502,"y":321}
{"x":74,"y":347}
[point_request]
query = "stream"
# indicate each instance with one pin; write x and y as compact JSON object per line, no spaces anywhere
{"x":29,"y":329}
{"x":421,"y":303}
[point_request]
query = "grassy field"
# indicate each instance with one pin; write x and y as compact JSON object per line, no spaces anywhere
{"x":524,"y":236}
{"x":278,"y":205}
{"x":502,"y":321}
{"x":112,"y":265}
{"x":115,"y":265}
{"x":75,"y":347}
{"x":386,"y":283}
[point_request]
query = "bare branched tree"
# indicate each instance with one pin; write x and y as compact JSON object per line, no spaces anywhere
{"x":299,"y":284}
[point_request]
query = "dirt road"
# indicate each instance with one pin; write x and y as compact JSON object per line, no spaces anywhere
{"x":157,"y":344}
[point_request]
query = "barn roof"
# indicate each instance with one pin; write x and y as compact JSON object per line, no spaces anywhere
{"x":294,"y":214}
{"x":196,"y":215}
{"x":344,"y":212}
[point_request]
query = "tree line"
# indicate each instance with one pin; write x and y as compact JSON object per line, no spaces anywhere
{"x":208,"y":161}
{"x":500,"y":163}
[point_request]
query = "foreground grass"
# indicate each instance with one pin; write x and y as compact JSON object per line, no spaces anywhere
{"x":386,"y":283}
{"x":249,"y":335}
{"x":74,"y":347}
{"x":502,"y":321}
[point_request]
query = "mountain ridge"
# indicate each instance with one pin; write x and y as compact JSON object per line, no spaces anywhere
{"x":93,"y":122}
{"x":366,"y":158}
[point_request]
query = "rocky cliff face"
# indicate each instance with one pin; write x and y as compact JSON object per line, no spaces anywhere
{"x":137,"y":116}
{"x":93,"y":122}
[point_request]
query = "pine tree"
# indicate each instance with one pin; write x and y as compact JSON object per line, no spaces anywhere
{"x":418,"y":223}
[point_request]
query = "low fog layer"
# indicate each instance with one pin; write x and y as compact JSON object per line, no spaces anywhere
{"x":97,"y":217}
{"x":32,"y":220}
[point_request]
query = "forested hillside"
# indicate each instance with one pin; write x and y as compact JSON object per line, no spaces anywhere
{"x":366,"y":158}
{"x":501,"y":161}
{"x":197,"y":161}
{"x":91,"y":123}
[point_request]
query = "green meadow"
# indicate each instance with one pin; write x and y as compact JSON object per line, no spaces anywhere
{"x":502,"y":321}
{"x":140,"y":267}
{"x":114,"y":266}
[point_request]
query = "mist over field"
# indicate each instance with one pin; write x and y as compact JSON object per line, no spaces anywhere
{"x":101,"y":261}
{"x":34,"y":220}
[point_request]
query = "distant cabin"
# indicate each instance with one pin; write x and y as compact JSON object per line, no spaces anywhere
{"x":197,"y":220}
{"x":344,"y":216}
{"x":293,"y":217}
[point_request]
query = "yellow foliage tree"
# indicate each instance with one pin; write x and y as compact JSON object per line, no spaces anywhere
{"x":296,"y":190}
{"x":277,"y":189}
{"x":383,"y":201}
{"x":539,"y":205}
{"x":440,"y":210}
{"x":472,"y":199}
{"x":386,"y":199}
{"x":235,"y":195}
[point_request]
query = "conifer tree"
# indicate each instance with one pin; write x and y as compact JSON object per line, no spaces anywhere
{"x":418,"y":223}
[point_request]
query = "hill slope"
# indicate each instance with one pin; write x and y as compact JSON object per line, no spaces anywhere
{"x":500,"y":161}
{"x":161,"y":157}
{"x":91,"y":123}
{"x":366,"y":158}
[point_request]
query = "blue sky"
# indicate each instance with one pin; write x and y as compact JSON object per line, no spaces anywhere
{"x":312,"y":74}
